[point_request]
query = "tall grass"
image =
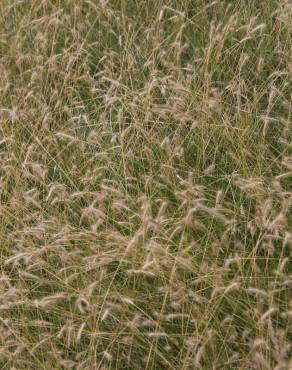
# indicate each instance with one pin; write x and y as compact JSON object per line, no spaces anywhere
{"x":145,"y":184}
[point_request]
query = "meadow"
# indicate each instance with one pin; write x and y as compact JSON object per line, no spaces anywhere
{"x":145,"y":184}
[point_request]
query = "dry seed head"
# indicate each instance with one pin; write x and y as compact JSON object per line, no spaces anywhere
{"x":107,"y":355}
{"x":82,"y":305}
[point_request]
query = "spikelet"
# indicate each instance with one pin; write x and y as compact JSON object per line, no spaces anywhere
{"x":50,"y":301}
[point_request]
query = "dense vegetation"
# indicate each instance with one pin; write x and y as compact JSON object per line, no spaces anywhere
{"x":145,"y":184}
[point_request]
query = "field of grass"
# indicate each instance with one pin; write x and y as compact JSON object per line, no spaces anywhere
{"x":145,"y":184}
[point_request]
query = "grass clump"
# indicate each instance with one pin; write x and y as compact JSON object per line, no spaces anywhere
{"x":145,"y":184}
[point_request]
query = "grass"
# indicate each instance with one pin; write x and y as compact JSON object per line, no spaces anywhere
{"x":145,"y":184}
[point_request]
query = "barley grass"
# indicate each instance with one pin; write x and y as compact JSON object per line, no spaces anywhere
{"x":145,"y":184}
